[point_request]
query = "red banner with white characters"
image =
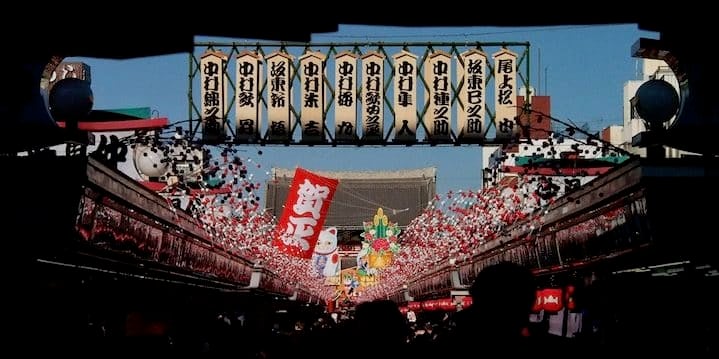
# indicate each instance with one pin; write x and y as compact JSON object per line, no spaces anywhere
{"x":552,"y":300}
{"x":305,"y":211}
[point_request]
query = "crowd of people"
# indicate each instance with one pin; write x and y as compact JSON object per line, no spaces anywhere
{"x":496,"y":324}
{"x":503,"y":295}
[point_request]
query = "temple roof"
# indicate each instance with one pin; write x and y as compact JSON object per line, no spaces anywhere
{"x":403,"y":194}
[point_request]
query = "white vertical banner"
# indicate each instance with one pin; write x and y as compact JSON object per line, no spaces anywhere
{"x":505,"y":92}
{"x":312,"y":76}
{"x":248,"y":77}
{"x":213,"y":92}
{"x":471,"y":114}
{"x":279,"y":85}
{"x":438,"y":74}
{"x":345,"y":97}
{"x":405,"y":96}
{"x":373,"y":97}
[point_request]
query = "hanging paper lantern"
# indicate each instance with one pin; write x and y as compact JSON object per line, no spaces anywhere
{"x":447,"y":304}
{"x":414,"y":306}
{"x":569,"y":298}
{"x":428,"y":305}
{"x":538,"y":302}
{"x":552,"y":300}
{"x":466,"y":302}
{"x":435,"y":305}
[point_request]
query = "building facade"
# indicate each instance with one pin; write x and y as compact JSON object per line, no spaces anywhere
{"x":548,"y":163}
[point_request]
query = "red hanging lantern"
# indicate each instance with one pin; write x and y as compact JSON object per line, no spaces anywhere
{"x":414,"y":306}
{"x":466,"y":302}
{"x":436,"y":304}
{"x":538,"y":302}
{"x":403,"y":310}
{"x":569,"y":298}
{"x":430,"y":305}
{"x":446,"y":304}
{"x":452,"y":305}
{"x":552,"y":300}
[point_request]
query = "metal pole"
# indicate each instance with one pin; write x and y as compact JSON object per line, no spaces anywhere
{"x":529,"y":77}
{"x":546,"y":80}
{"x":539,"y":70}
{"x":189,"y":94}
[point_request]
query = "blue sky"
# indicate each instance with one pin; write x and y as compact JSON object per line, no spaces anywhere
{"x":586,"y":67}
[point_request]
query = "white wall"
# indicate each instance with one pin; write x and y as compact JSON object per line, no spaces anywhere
{"x":536,"y":147}
{"x":616,"y":135}
{"x":632,"y":126}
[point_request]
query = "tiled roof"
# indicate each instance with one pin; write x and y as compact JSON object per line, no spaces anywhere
{"x":402,"y":194}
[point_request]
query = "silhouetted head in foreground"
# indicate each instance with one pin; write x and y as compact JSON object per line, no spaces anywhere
{"x":382,"y":321}
{"x":502,"y":298}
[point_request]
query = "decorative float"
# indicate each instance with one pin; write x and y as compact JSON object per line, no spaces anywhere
{"x":379,"y":246}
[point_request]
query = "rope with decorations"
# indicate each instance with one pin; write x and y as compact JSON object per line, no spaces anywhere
{"x":227,"y":206}
{"x":453,"y":227}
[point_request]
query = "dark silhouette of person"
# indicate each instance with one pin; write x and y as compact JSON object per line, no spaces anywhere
{"x":381,"y":328}
{"x":502,"y":298}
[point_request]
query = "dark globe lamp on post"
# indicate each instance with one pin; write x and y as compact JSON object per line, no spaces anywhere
{"x":656,"y":102}
{"x":71,"y":100}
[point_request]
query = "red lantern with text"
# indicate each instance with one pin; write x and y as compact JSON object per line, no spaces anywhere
{"x":466,"y":302}
{"x":436,"y":305}
{"x":538,"y":302}
{"x":552,"y":300}
{"x":429,"y":305}
{"x":569,"y":298}
{"x":447,"y":304}
{"x":414,"y":306}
